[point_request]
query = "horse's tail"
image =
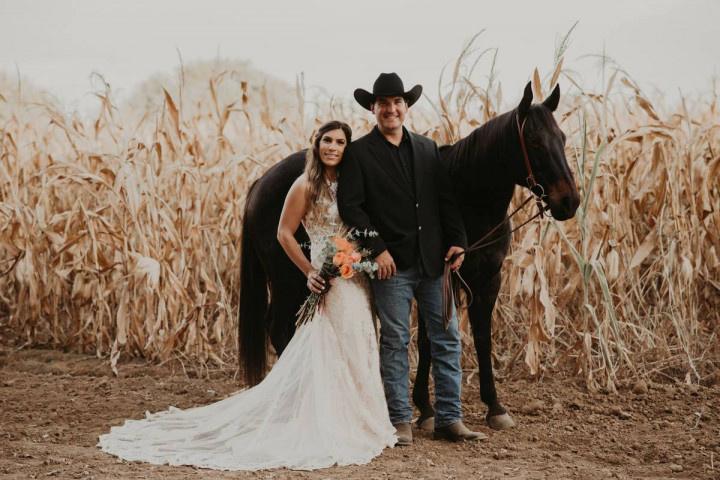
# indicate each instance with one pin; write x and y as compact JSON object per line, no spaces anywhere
{"x":252,"y":340}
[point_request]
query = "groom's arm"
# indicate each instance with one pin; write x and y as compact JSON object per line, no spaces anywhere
{"x":351,"y":202}
{"x":452,"y":223}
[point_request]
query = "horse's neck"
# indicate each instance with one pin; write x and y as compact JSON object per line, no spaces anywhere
{"x":482,"y":166}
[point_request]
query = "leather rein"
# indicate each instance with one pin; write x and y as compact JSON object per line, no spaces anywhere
{"x":452,"y":281}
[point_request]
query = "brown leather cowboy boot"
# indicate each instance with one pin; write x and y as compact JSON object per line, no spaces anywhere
{"x":457,"y":432}
{"x":404,"y":434}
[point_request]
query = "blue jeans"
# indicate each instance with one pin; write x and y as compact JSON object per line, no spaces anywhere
{"x":393,"y":298}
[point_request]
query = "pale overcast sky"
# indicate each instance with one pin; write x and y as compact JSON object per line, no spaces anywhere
{"x":341,"y":45}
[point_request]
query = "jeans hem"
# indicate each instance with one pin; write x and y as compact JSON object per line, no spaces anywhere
{"x":400,"y":420}
{"x":446,"y":423}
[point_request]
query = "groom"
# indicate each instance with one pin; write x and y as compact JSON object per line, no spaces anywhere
{"x":391,"y":181}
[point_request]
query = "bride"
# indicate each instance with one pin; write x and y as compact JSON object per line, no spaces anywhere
{"x":322,"y":404}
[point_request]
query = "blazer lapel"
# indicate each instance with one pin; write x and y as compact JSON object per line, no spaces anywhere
{"x":392,"y":169}
{"x":418,"y":161}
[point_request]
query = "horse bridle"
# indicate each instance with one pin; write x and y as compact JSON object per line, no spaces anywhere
{"x":532,"y":184}
{"x":451,"y":289}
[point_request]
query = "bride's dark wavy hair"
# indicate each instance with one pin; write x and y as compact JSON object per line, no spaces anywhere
{"x":314,"y":168}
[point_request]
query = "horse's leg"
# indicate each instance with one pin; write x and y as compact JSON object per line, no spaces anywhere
{"x":281,"y":329}
{"x":286,"y":297}
{"x":485,"y":294}
{"x":287,"y":292}
{"x":421,"y":388}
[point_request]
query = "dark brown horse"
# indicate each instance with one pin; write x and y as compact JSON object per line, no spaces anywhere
{"x":485,"y":167}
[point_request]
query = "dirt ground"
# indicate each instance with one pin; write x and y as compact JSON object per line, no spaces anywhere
{"x":53,"y":406}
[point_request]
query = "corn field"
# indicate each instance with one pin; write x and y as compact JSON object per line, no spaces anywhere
{"x":119,"y":234}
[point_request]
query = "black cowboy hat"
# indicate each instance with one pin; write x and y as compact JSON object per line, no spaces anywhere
{"x":387,"y":85}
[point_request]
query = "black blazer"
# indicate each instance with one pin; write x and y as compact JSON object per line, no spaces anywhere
{"x":373,"y":194}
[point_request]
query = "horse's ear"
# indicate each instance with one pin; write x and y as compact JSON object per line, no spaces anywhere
{"x":552,"y":101}
{"x":526,"y":100}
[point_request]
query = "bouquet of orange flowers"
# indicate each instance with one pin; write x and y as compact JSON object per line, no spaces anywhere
{"x":342,"y":258}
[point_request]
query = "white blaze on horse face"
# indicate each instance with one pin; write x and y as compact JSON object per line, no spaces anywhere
{"x":389,"y":112}
{"x":331,"y":148}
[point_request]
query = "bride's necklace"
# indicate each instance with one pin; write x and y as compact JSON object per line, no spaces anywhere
{"x":332,"y":188}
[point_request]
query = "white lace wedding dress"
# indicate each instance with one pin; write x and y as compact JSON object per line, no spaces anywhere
{"x":322,"y":404}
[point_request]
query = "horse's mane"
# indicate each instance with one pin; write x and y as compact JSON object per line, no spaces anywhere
{"x":487,"y":138}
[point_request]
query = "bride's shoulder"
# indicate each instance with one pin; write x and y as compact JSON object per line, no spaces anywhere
{"x":299,"y":190}
{"x":301,"y":183}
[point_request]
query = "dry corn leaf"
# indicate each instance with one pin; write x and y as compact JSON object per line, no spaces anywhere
{"x":556,"y":73}
{"x":645,"y":249}
{"x":173,"y":111}
{"x":647,"y":106}
{"x":537,"y":86}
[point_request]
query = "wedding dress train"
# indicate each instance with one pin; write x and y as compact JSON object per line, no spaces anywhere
{"x":322,"y":404}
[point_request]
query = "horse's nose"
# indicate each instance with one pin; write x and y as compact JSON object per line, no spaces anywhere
{"x":570,"y":203}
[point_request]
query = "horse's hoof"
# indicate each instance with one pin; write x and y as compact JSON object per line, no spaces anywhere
{"x":426,"y":424}
{"x":500,"y":422}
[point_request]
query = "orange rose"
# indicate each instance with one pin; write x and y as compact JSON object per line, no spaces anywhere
{"x":346,"y":271}
{"x":343,"y":245}
{"x":340,"y":258}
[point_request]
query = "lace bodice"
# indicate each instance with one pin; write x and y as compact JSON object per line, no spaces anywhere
{"x":321,"y":221}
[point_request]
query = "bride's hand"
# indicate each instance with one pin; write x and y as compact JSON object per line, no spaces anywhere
{"x":315,"y":282}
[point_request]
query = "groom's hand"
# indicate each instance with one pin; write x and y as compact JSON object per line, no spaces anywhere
{"x":458,"y":259}
{"x":386,"y":265}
